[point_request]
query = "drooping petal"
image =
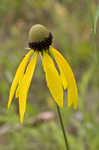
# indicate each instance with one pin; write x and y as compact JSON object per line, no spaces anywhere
{"x":63,"y":79}
{"x":53,"y":79}
{"x":17,"y":91}
{"x":25,"y":84}
{"x":18,"y":87}
{"x":66,"y":70}
{"x":18,"y":76}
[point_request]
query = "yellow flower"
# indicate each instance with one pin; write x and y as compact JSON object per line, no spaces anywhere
{"x":40,"y":40}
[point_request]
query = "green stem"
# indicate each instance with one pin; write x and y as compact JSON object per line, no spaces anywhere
{"x":63,"y":129}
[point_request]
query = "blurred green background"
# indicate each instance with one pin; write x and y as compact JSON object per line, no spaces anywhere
{"x":75,"y":27}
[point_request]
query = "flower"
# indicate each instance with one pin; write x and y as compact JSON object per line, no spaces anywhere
{"x":40,"y":40}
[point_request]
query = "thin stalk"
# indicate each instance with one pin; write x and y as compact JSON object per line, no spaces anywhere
{"x":62,"y":127}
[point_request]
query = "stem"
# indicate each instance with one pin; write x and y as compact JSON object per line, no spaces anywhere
{"x":62,"y":127}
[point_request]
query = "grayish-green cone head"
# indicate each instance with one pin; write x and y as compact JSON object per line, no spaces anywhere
{"x":38,"y":33}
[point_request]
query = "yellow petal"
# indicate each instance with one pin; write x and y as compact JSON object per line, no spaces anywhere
{"x":18,"y":76}
{"x":17,"y":91}
{"x":63,"y":80}
{"x":69,"y":77}
{"x":18,"y":87}
{"x":53,"y":79}
{"x":25,"y":84}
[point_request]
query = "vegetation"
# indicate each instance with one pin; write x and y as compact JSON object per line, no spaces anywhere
{"x":74,"y":25}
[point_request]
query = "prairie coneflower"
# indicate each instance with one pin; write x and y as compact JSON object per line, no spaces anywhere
{"x":40,"y":40}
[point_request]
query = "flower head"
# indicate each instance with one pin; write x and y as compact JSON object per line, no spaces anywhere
{"x":40,"y":41}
